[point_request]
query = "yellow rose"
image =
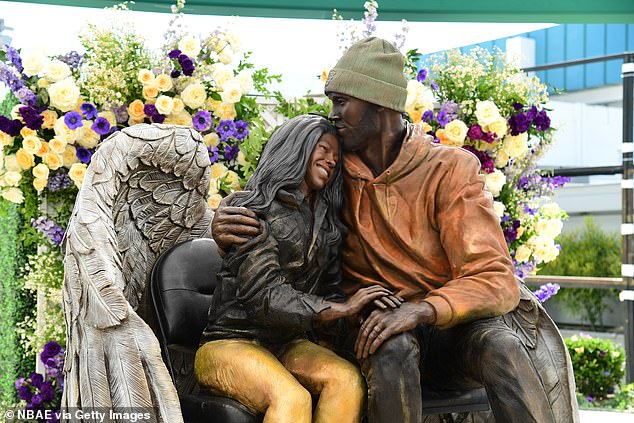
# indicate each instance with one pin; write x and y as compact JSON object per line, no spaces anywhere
{"x":179,"y":106}
{"x":14,"y":195}
{"x":551,"y":209}
{"x":516,"y":146}
{"x":498,"y":127}
{"x":426,"y":127}
{"x":25,"y":160}
{"x":40,"y":171}
{"x":189,"y":46}
{"x":544,"y":248}
{"x":145,"y":76}
{"x":456,"y":132}
{"x":132,"y":122}
{"x":218,"y":170}
{"x":242,"y":160}
{"x":150,"y":92}
{"x":31,"y":144}
{"x":194,"y":96}
{"x":70,"y":156}
{"x":77,"y":173}
{"x":40,"y":184}
{"x":43,"y":149}
{"x":226,"y":111}
{"x":57,"y":145}
{"x":579,"y":350}
{"x":5,"y":139}
{"x":56,"y":70}
{"x":109,"y":116}
{"x":501,"y":159}
{"x":89,"y":138}
{"x":53,"y":161}
{"x":33,"y":61}
{"x":64,"y":132}
{"x":550,"y":228}
{"x":164,"y":82}
{"x":214,"y":200}
{"x":416,"y":116}
{"x":43,"y":83}
{"x":324,"y":75}
{"x":442,"y":136}
{"x":135,"y":110}
{"x":25,"y":132}
{"x":486,"y":112}
{"x":494,"y":182}
{"x":211,"y":139}
{"x":232,"y":180}
{"x":164,"y":105}
{"x":522,"y":254}
{"x":12,"y":178}
{"x":520,"y":231}
{"x":245,"y":80}
{"x":49,"y":119}
{"x":64,"y":95}
{"x":213,"y":186}
{"x":221,"y":74}
{"x":231,"y":92}
{"x":213,"y":104}
{"x":183,"y":118}
{"x":11,"y":163}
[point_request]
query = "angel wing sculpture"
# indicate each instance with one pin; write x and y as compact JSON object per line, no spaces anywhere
{"x":144,"y":191}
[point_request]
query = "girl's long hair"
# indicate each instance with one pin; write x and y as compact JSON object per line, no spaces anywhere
{"x":283,"y":165}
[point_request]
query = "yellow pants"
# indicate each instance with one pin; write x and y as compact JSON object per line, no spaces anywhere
{"x":281,"y":388}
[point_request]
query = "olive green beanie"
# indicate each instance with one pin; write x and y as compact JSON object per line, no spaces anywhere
{"x":371,"y":70}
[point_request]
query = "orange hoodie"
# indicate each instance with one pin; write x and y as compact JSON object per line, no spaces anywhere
{"x":425,"y":228}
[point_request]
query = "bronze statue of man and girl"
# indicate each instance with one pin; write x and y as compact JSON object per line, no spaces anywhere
{"x":363,"y":227}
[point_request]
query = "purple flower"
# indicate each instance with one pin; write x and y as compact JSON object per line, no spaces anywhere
{"x":14,"y":56}
{"x":606,"y":373}
{"x":175,"y":73}
{"x":73,"y":120}
{"x":83,"y":154}
{"x":213,"y":154}
{"x":542,"y":121}
{"x":31,"y":117}
{"x":101,"y":126}
{"x":88,"y":110}
{"x":26,"y":96}
{"x":546,"y":291}
{"x":488,"y":137}
{"x":531,"y":113}
{"x":231,"y":152}
{"x":59,"y":180}
{"x":202,"y":120}
{"x":36,"y":379}
{"x":47,"y":391}
{"x":174,"y":54}
{"x":589,"y":399}
{"x":72,"y":59}
{"x":486,"y":163}
{"x":451,"y":109}
{"x":11,"y":127}
{"x":442,"y":118}
{"x":121,"y":113}
{"x":25,"y":393}
{"x":475,"y":132}
{"x":37,"y":400}
{"x":519,"y":123}
{"x":55,"y":235}
{"x":51,"y":349}
{"x":434,"y":86}
{"x":517,"y":106}
{"x":421,"y":76}
{"x":523,"y":269}
{"x":19,"y":382}
{"x":226,"y":129}
{"x":242,"y":130}
{"x":602,"y":353}
{"x":187,"y":65}
{"x":158,"y":118}
{"x":150,"y":110}
{"x":428,"y":116}
{"x":510,"y":232}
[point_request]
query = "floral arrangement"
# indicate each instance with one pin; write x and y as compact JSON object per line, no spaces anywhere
{"x":486,"y":104}
{"x":44,"y":392}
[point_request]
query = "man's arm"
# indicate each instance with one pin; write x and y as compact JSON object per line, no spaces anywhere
{"x":233,"y":226}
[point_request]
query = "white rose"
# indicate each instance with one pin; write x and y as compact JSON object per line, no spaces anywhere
{"x":231,"y":92}
{"x":64,"y":133}
{"x":194,"y":96}
{"x":550,"y":228}
{"x":64,"y":95}
{"x":14,"y":195}
{"x":56,"y":70}
{"x":189,"y":46}
{"x":544,"y":248}
{"x":164,"y":105}
{"x":221,"y":74}
{"x":495,"y":181}
{"x":245,"y":80}
{"x":88,"y":138}
{"x":11,"y":163}
{"x":498,"y":208}
{"x":12,"y":178}
{"x":225,"y":56}
{"x":33,"y":61}
{"x":501,"y":159}
{"x":487,"y":112}
{"x":498,"y":127}
{"x":522,"y":254}
{"x":234,"y":41}
{"x":516,"y":146}
{"x":551,"y":209}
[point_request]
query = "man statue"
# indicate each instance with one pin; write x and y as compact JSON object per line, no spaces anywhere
{"x":421,"y":223}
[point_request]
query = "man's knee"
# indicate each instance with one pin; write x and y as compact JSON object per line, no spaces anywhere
{"x":499,"y":352}
{"x":399,"y":354}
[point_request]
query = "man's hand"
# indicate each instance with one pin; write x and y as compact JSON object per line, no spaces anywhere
{"x":234,"y":226}
{"x":382,"y":324}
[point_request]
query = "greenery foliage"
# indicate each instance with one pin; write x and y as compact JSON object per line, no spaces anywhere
{"x":586,"y":252}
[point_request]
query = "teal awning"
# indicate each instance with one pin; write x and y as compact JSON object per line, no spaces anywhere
{"x":555,"y":11}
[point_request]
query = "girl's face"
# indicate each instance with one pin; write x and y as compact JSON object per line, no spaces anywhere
{"x":321,"y":164}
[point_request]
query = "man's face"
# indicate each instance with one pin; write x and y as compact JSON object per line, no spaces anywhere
{"x":356,"y":121}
